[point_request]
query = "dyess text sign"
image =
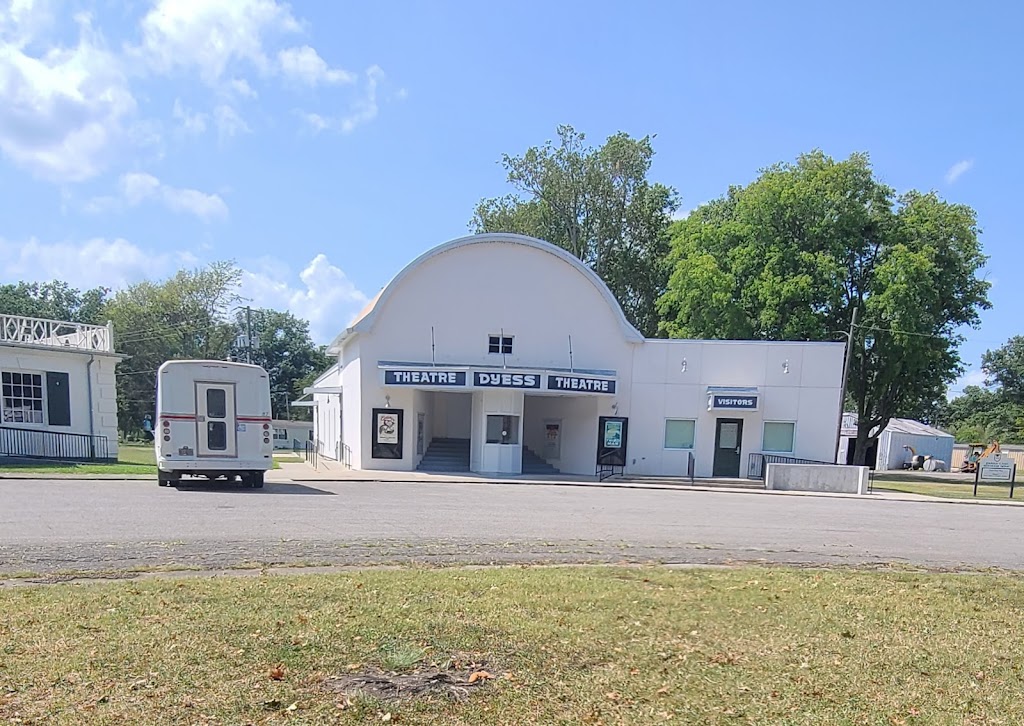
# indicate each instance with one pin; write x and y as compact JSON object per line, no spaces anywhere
{"x":506,"y":380}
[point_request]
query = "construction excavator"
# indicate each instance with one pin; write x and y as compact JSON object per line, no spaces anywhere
{"x":975,"y":453}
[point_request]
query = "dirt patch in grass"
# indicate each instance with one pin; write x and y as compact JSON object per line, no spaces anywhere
{"x":431,"y":683}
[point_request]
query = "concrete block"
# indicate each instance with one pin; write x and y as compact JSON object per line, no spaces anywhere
{"x":817,"y":478}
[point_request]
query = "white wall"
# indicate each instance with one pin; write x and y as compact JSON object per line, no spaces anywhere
{"x":297,"y":431}
{"x":578,"y":414}
{"x":452,"y":415}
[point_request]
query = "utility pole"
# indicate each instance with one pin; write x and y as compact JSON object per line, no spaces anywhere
{"x":249,"y":334}
{"x":846,"y":373}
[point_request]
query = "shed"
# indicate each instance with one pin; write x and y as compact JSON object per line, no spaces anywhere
{"x":926,"y":441}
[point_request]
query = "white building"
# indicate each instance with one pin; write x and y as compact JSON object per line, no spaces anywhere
{"x":502,"y":353}
{"x":889,"y":451}
{"x":290,"y":434}
{"x":59,"y":392}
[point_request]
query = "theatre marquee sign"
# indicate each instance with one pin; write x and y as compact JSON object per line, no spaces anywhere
{"x":539,"y":380}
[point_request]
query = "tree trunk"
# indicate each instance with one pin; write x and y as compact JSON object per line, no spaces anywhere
{"x":863,"y":441}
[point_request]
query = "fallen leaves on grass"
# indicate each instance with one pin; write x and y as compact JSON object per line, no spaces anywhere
{"x":479,"y":676}
{"x":277,"y":673}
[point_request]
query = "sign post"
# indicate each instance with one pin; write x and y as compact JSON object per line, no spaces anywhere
{"x":997,"y":467}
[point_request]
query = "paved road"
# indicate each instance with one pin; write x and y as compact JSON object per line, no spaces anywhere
{"x":49,"y":526}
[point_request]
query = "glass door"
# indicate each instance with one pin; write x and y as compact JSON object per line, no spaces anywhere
{"x":215,"y":419}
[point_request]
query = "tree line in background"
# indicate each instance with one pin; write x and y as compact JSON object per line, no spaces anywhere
{"x":194,"y":314}
{"x":791,"y":256}
{"x":794,"y":255}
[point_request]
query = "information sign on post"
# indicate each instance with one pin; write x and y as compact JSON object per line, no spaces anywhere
{"x":996,"y":468}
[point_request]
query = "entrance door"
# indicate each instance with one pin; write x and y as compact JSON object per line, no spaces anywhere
{"x":728,"y":443}
{"x":215,"y":419}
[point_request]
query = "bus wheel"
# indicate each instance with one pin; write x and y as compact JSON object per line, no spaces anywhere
{"x":256,"y":479}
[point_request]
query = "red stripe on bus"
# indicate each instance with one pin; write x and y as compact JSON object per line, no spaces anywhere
{"x":184,"y":416}
{"x":253,"y":418}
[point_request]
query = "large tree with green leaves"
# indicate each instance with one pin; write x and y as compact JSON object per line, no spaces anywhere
{"x":598,"y":204}
{"x":186,"y":316}
{"x":793,"y":254}
{"x":55,"y":300}
{"x":995,"y":413}
{"x":283,"y":346}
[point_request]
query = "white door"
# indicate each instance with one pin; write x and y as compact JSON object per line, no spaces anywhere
{"x":215,"y":419}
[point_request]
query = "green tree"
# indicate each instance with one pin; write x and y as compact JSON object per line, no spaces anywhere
{"x":793,"y":254}
{"x":1004,"y":367}
{"x":598,"y":204}
{"x":285,"y":350}
{"x":55,"y":300}
{"x":186,"y":316}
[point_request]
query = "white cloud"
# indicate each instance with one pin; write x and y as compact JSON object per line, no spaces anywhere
{"x":136,"y":188}
{"x":209,"y":36}
{"x":958,"y":170}
{"x":63,"y":110}
{"x":229,"y":123}
{"x":973,"y":377}
{"x":323,"y":294}
{"x":241,"y":87}
{"x":305,"y":64}
{"x":97,"y":262}
{"x":361,"y":112}
{"x":192,"y":122}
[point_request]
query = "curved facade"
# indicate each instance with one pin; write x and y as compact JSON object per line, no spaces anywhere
{"x":504,"y":354}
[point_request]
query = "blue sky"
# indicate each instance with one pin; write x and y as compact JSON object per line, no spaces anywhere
{"x":324,"y":145}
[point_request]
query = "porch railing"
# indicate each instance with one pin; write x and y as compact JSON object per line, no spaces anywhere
{"x":52,"y":445}
{"x":757,"y":463}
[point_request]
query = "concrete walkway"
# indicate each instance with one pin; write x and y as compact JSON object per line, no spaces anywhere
{"x":332,"y":471}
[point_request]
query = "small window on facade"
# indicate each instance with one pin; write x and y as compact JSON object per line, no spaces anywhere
{"x":22,"y":400}
{"x":778,"y":437}
{"x":502,"y":429}
{"x":216,"y":403}
{"x":500,"y":344}
{"x":281,"y":434}
{"x":679,"y":433}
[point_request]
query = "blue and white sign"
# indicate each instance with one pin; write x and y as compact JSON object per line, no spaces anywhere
{"x":506,"y":380}
{"x":580,"y":384}
{"x":420,"y":377}
{"x":732,"y":402}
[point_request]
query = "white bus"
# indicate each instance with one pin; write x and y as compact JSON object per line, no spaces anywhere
{"x":213,"y":421}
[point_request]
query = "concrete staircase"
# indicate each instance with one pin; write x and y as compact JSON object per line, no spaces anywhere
{"x":446,"y":455}
{"x":533,"y":464}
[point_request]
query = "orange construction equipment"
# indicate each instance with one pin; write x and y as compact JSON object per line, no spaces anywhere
{"x":975,"y":453}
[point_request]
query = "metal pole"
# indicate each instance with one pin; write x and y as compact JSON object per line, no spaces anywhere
{"x":248,"y":334}
{"x":571,"y":370}
{"x":433,"y":357}
{"x":842,"y":387}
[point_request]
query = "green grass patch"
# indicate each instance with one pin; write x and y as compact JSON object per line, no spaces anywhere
{"x":950,"y":490}
{"x":568,"y":646}
{"x":131,"y":459}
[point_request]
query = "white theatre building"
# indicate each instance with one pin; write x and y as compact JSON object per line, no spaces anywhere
{"x":499,"y":353}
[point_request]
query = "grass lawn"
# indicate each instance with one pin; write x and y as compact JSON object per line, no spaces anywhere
{"x":131,"y":459}
{"x":951,"y":490}
{"x":565,"y":646}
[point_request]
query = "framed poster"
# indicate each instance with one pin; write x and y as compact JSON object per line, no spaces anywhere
{"x":386,"y":442}
{"x":612,"y":439}
{"x":552,"y":439}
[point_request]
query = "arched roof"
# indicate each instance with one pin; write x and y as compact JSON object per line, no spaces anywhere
{"x":364,"y":322}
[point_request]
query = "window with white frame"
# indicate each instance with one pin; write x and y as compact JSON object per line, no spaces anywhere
{"x":281,"y":434}
{"x":679,"y":433}
{"x":22,"y":400}
{"x":778,"y":437}
{"x":500,"y":344}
